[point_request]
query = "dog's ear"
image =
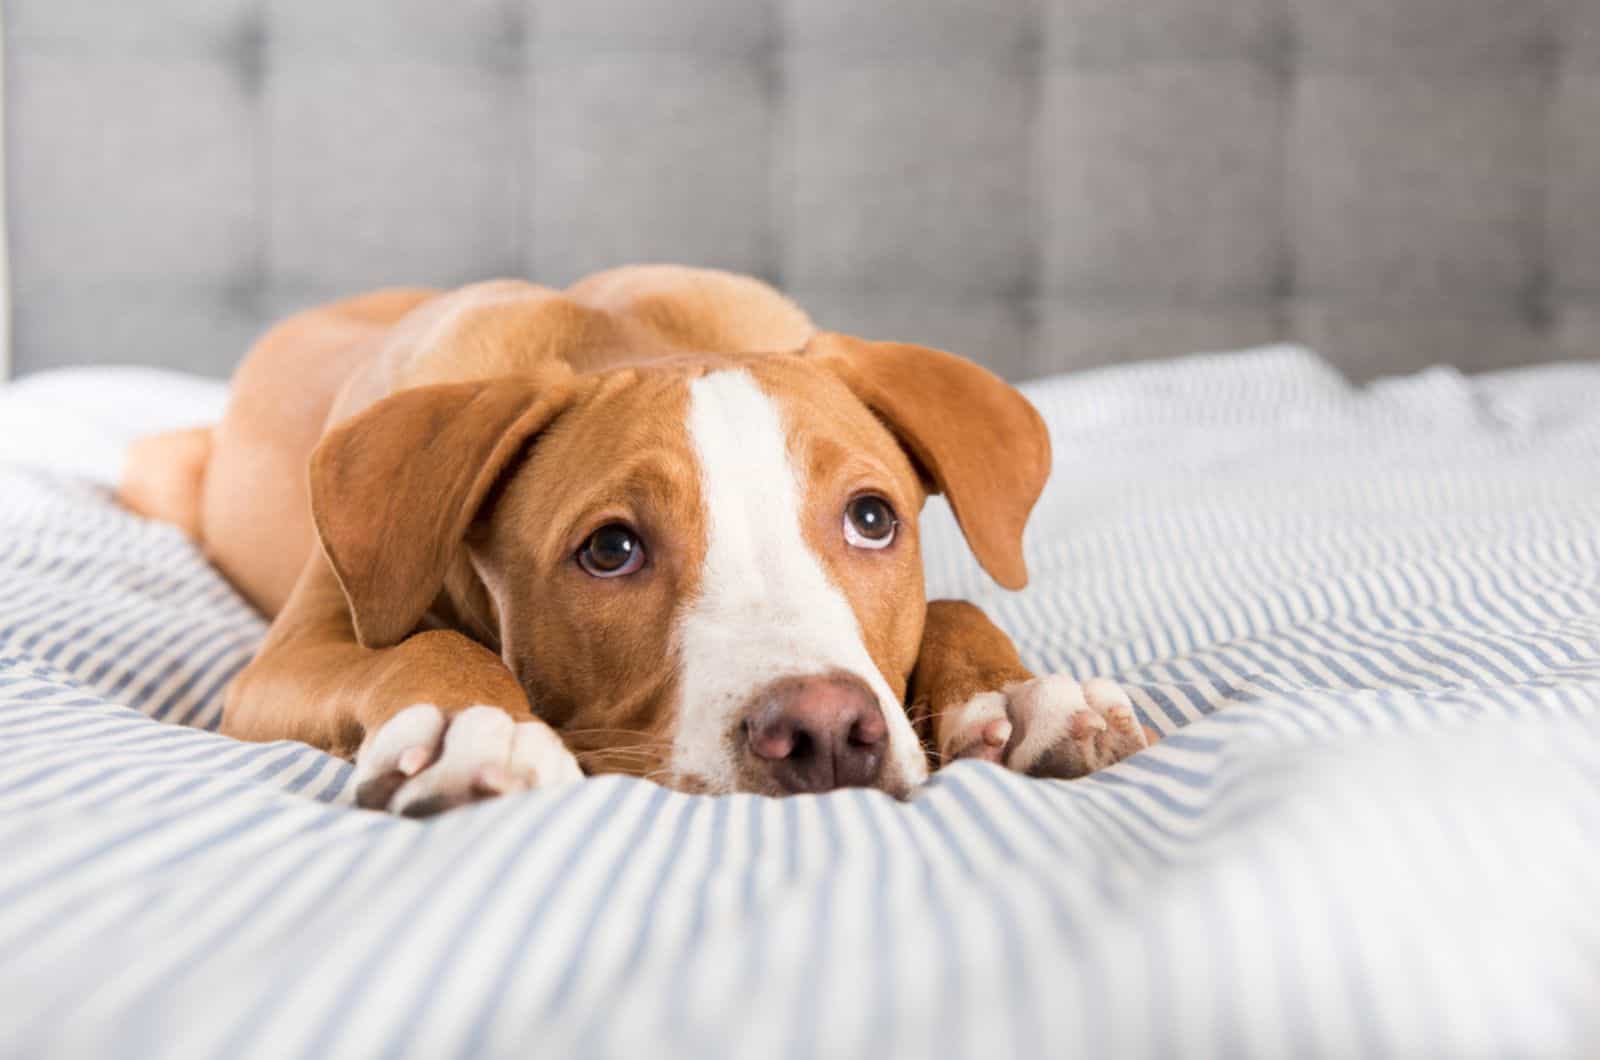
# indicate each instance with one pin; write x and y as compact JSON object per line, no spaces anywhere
{"x":974,"y":437}
{"x":395,"y":488}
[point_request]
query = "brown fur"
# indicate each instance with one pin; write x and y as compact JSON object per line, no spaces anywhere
{"x":462,"y":445}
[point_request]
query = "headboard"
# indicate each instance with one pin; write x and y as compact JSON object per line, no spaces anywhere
{"x":1039,"y":185}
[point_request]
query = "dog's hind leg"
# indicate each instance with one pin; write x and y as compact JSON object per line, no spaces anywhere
{"x":164,"y":477}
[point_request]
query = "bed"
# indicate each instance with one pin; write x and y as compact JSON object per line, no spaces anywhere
{"x":1365,"y":619}
{"x":1364,"y":615}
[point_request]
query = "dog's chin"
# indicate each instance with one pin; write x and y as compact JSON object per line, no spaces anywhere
{"x":751,"y":782}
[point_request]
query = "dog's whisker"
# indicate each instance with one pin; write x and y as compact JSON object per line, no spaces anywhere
{"x":620,"y":763}
{"x":624,"y":764}
{"x":635,"y":745}
{"x":622,"y":754}
{"x":602,"y":732}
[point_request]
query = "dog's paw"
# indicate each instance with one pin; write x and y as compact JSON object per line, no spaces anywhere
{"x":420,"y":762}
{"x":1047,"y":727}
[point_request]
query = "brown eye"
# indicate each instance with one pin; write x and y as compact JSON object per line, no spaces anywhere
{"x":869,"y":522}
{"x":611,"y":551}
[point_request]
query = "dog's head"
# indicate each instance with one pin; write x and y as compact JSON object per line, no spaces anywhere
{"x":703,"y":570}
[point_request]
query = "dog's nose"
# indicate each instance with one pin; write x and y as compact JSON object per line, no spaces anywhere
{"x":818,"y":733}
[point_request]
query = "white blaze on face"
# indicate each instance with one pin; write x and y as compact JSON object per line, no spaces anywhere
{"x":766,"y":609}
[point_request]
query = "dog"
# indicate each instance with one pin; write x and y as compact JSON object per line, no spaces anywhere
{"x":656,"y":524}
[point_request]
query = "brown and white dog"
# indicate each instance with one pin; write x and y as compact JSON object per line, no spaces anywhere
{"x":655,"y":524}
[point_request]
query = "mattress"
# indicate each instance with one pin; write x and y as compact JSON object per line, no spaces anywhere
{"x":1366,"y":620}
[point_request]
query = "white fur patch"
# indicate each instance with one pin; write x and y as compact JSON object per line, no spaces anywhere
{"x":965,"y":725}
{"x":450,"y":758}
{"x":1089,"y":725}
{"x":539,"y":758}
{"x":419,"y":725}
{"x":766,"y":609}
{"x":1047,"y":705}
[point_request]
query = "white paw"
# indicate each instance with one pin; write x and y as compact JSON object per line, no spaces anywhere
{"x":421,"y":763}
{"x":1047,"y":727}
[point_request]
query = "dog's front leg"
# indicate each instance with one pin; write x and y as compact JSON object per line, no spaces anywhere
{"x":971,"y":697}
{"x":433,"y":722}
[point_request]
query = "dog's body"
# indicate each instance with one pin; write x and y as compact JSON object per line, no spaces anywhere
{"x":657,"y":522}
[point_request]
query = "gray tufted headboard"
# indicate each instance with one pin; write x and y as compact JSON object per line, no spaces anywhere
{"x":1040,"y":185}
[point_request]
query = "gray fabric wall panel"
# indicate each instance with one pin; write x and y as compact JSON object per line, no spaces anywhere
{"x":701,"y":27}
{"x":1163,"y":181}
{"x":116,"y":196}
{"x":343,"y":206}
{"x":1577,"y":326}
{"x":652,"y":156}
{"x":1040,"y":184}
{"x":1078,"y":333}
{"x":1435,"y":36}
{"x":914,"y":213}
{"x":148,"y":28}
{"x":909,"y":32}
{"x":1364,"y":151}
{"x":485,"y":33}
{"x":1581,"y":35}
{"x":1574,"y":215}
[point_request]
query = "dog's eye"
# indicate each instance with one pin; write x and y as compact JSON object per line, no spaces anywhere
{"x":869,"y":522}
{"x":611,"y":551}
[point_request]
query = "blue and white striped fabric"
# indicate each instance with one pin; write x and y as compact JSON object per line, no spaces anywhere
{"x":1367,"y":620}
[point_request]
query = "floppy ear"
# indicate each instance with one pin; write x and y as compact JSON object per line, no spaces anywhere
{"x":974,"y":436}
{"x":395,"y":487}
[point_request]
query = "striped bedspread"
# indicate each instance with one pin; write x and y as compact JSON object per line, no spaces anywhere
{"x":1367,"y":620}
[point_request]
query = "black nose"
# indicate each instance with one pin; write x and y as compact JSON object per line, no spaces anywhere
{"x":818,"y":733}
